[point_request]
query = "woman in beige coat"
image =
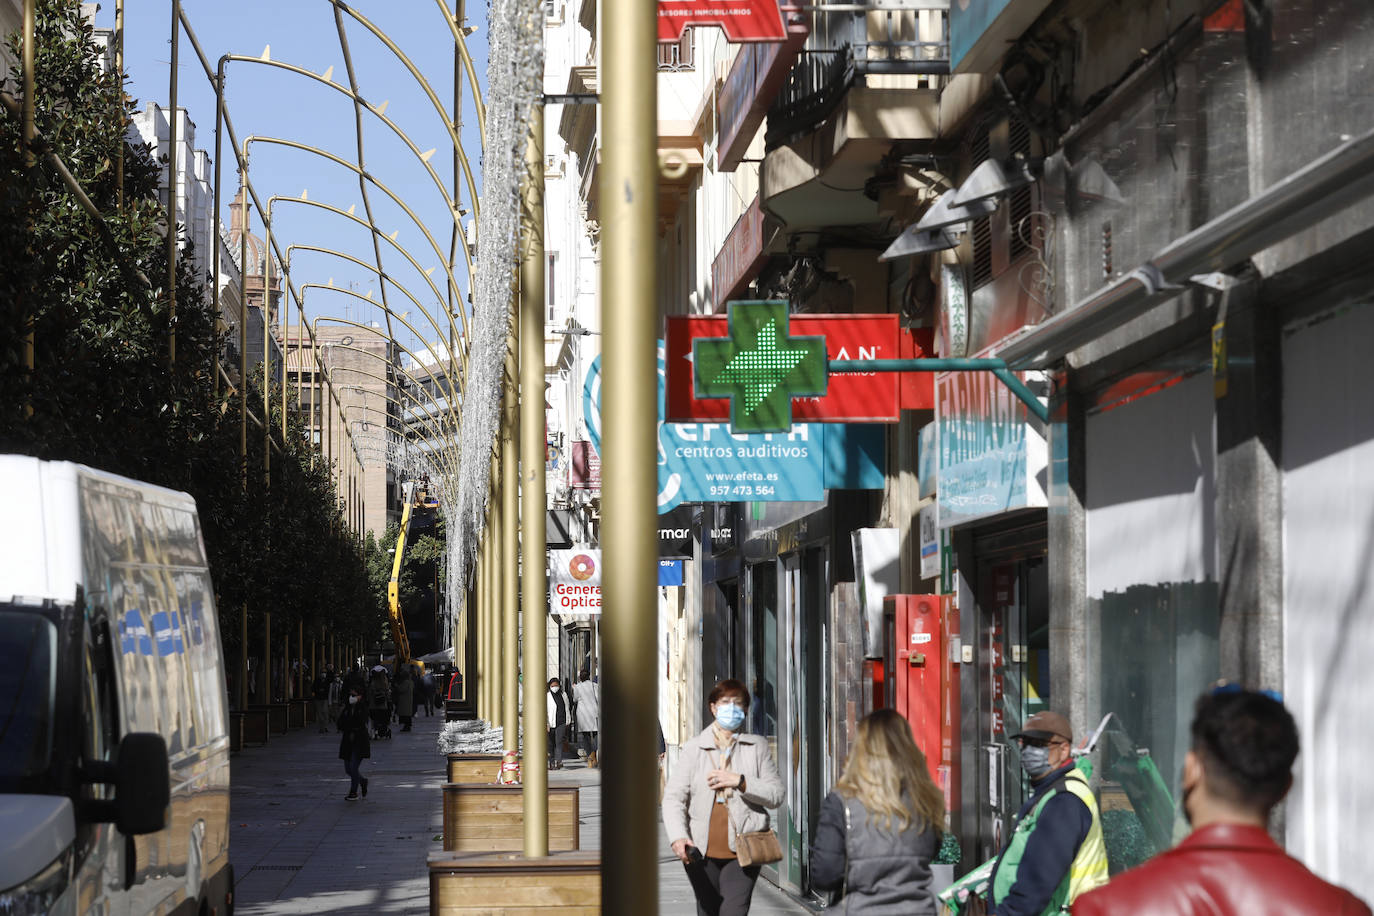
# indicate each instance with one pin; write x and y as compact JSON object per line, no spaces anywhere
{"x":723,"y":785}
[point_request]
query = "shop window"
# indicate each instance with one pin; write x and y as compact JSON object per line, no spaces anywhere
{"x":1153,"y":595}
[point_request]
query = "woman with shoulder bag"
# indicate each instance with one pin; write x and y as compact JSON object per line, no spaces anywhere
{"x":881,"y":826}
{"x":715,"y":806}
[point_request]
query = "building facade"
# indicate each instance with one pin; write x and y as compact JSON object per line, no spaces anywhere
{"x":1156,"y":215}
{"x":349,"y":380}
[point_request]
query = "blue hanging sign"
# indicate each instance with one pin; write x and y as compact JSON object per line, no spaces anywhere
{"x":705,"y":462}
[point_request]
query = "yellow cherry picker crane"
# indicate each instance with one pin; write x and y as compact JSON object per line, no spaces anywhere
{"x":414,"y":497}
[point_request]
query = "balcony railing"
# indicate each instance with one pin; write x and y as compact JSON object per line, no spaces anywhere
{"x":851,"y":41}
{"x":677,"y":57}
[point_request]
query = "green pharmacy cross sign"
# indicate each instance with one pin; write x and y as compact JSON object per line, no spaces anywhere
{"x":759,"y":367}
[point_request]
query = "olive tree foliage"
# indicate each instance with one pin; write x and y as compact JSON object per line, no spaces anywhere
{"x":103,"y":390}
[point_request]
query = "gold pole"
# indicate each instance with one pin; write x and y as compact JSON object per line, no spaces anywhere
{"x":30,"y":160}
{"x":215,"y":243}
{"x":288,"y":686}
{"x":119,"y":153}
{"x":498,"y":601}
{"x":172,"y":188}
{"x":243,"y":326}
{"x":243,"y":658}
{"x":533,"y":500}
{"x":267,"y":350}
{"x":510,"y":564}
{"x":483,"y":628}
{"x":282,"y":333}
{"x":267,"y":652}
{"x":629,"y":873}
{"x":300,"y":658}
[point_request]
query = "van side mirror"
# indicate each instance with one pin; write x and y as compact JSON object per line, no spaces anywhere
{"x":143,"y":784}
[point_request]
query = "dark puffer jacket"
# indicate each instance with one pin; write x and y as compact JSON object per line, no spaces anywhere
{"x":882,"y":871}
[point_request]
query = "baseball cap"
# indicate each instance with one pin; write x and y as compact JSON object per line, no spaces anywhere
{"x":1045,"y":725}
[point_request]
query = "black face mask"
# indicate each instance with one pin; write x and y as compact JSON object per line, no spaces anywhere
{"x":1187,"y":815}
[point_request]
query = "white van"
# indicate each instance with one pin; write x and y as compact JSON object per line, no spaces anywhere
{"x":114,"y":755}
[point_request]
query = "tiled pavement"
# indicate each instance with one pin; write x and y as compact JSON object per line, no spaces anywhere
{"x":298,"y":847}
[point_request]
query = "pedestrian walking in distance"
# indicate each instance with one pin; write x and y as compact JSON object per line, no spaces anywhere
{"x":354,"y":746}
{"x":722,"y":786}
{"x":320,"y":692}
{"x":587,"y":713}
{"x":1239,"y":767}
{"x":557,"y":706}
{"x":881,"y":826}
{"x":404,"y":695}
{"x":336,"y":698}
{"x":427,"y":692}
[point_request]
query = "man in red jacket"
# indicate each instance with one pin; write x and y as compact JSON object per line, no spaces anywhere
{"x":1240,"y":767}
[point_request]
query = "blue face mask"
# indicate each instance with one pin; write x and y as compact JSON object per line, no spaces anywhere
{"x":729,"y":716}
{"x":1035,"y":761}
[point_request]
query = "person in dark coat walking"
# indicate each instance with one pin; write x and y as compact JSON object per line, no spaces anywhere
{"x":881,"y":826}
{"x":354,"y":746}
{"x":403,"y":695}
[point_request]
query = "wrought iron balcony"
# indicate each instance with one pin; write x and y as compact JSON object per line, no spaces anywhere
{"x":850,"y":42}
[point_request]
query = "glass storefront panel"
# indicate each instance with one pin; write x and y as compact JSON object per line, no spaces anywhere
{"x":1153,"y":599}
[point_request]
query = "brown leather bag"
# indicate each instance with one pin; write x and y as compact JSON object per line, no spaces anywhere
{"x":758,"y":848}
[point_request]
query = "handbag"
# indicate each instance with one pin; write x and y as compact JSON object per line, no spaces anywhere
{"x":758,"y":848}
{"x":761,"y":847}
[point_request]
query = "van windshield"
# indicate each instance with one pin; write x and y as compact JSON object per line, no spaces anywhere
{"x":28,"y":662}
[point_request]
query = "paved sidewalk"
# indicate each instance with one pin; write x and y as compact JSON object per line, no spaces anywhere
{"x":298,"y":847}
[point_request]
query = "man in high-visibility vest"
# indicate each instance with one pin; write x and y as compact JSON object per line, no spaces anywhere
{"x":1056,"y":851}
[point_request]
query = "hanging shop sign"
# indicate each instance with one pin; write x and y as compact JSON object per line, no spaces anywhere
{"x":980,"y":31}
{"x":991,"y":459}
{"x":586,"y":466}
{"x":675,"y":534}
{"x":575,"y":581}
{"x":850,"y":397}
{"x":669,"y":573}
{"x":741,"y":255}
{"x":706,"y":462}
{"x":878,"y":573}
{"x":928,"y":537}
{"x":755,"y":77}
{"x":953,"y":312}
{"x":740,"y":20}
{"x":558,"y":528}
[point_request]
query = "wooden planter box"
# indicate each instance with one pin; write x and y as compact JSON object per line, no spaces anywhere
{"x":296,"y":712}
{"x":458,"y":710}
{"x":252,"y":726}
{"x":485,"y":818}
{"x":506,"y":883}
{"x":473,"y":767}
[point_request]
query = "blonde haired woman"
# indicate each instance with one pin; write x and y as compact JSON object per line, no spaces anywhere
{"x":881,"y":826}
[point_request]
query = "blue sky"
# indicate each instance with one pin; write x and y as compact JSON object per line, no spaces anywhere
{"x":271,"y":102}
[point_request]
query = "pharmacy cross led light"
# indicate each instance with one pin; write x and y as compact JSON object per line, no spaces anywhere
{"x":759,"y":367}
